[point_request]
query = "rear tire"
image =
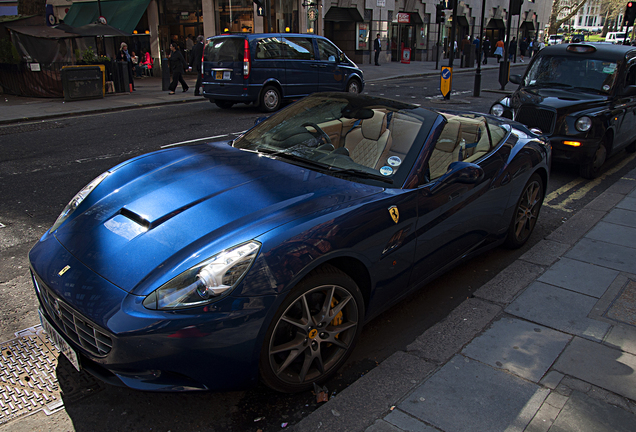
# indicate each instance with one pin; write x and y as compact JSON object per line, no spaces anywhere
{"x":270,"y":99}
{"x":526,"y":213}
{"x":223,"y":104}
{"x":592,"y":168}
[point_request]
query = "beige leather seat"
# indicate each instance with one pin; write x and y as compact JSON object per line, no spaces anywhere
{"x":446,"y":149}
{"x":367,"y":142}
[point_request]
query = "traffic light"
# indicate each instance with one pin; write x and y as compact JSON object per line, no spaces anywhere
{"x":630,"y":14}
{"x":439,"y":13}
{"x":515,"y":7}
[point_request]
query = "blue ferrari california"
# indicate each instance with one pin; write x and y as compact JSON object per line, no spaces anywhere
{"x":213,"y":266}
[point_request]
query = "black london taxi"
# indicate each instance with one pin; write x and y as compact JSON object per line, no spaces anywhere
{"x":582,"y":97}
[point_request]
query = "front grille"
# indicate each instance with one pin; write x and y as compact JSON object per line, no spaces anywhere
{"x":536,"y":117}
{"x":74,"y":326}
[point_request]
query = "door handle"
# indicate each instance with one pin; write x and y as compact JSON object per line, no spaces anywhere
{"x":314,"y":65}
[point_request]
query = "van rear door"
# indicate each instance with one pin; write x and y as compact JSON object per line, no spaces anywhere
{"x":223,"y":66}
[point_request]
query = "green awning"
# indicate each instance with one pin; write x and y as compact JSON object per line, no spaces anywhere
{"x":121,"y":14}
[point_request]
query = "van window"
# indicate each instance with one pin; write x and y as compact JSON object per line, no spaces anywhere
{"x":327,"y":51}
{"x":299,"y":48}
{"x":224,"y":50}
{"x":269,"y":48}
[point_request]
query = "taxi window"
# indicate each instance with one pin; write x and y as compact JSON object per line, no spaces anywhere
{"x":571,"y":72}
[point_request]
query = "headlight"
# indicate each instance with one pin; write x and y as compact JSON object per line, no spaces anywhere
{"x":205,"y":282}
{"x":497,"y":110}
{"x":77,"y":200}
{"x":583,"y":124}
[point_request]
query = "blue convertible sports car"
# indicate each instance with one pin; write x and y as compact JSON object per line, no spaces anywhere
{"x":213,"y":266}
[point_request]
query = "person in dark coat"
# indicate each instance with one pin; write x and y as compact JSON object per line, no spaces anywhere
{"x":177,"y":68}
{"x":377,"y":47}
{"x":195,"y":62}
{"x":124,"y":56}
{"x":486,"y":49}
{"x":523,"y":47}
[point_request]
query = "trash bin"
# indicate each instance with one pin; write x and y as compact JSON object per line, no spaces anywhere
{"x":83,"y":82}
{"x":121,"y":77}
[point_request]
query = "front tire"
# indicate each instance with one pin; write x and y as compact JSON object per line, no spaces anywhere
{"x":313,"y":332}
{"x":353,"y":86}
{"x":270,"y":99}
{"x":526,"y":213}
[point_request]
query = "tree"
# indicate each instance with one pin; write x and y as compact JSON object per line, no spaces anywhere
{"x":559,"y":7}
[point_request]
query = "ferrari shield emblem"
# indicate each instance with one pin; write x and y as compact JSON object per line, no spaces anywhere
{"x":64,"y":270}
{"x":395,"y":213}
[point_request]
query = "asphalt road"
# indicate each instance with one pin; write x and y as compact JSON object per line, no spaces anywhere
{"x":44,"y":164}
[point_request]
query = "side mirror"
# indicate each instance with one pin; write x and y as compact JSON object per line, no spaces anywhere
{"x":515,"y":79}
{"x":629,"y":90}
{"x":459,"y":172}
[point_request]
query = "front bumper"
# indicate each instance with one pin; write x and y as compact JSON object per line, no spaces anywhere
{"x":578,"y":155}
{"x":215,"y":347}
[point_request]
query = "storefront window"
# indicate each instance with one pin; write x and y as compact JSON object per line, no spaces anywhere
{"x":235,"y":16}
{"x":286,"y":16}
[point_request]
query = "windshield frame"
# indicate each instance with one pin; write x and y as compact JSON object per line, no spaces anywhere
{"x":285,"y":136}
{"x":543,"y":73}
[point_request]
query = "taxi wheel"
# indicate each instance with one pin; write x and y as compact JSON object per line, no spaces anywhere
{"x":313,"y":332}
{"x":526,"y":213}
{"x":592,"y":168}
{"x":270,"y":99}
{"x":224,"y":104}
{"x":353,"y":86}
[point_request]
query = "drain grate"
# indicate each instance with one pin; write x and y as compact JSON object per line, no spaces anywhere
{"x":28,"y":381}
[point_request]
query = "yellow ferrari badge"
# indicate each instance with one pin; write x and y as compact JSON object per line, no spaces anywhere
{"x":64,"y":270}
{"x":395,"y":213}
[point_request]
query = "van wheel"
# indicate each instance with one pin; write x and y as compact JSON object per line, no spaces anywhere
{"x":270,"y":99}
{"x":353,"y":86}
{"x":224,"y":104}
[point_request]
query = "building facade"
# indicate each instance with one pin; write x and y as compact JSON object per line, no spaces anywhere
{"x":408,"y":28}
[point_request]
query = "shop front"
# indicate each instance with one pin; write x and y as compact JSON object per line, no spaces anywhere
{"x":408,"y":37}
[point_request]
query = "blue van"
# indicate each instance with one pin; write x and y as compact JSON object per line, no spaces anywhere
{"x":264,"y":69}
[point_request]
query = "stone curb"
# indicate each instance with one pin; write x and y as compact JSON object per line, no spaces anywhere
{"x":431,"y":348}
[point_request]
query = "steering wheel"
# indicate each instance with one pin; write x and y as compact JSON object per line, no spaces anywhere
{"x":320,"y":134}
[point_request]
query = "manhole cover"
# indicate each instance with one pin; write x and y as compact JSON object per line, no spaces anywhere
{"x":623,"y":308}
{"x":28,"y":380}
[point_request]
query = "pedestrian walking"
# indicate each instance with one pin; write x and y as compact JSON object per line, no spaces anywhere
{"x":499,"y":50}
{"x":486,"y":49}
{"x":477,"y":44}
{"x":523,"y":46}
{"x":177,"y":68}
{"x":195,"y":63}
{"x":512,"y":49}
{"x":377,"y":47}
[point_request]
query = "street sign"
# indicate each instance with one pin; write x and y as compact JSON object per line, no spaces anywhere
{"x":446,"y":80}
{"x":259,"y":11}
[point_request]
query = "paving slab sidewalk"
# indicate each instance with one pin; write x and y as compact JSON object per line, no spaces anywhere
{"x":549,"y":344}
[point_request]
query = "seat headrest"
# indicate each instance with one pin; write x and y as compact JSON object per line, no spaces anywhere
{"x":450,"y":137}
{"x":374,"y":127}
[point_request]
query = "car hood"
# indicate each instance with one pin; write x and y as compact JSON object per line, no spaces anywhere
{"x":172,"y":210}
{"x":560,"y":99}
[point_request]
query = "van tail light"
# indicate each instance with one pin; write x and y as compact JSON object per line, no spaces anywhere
{"x":246,"y":60}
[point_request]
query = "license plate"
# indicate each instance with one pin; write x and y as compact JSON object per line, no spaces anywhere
{"x":59,"y":342}
{"x":221,"y":75}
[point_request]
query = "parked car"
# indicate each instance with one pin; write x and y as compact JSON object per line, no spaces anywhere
{"x":265,"y":69}
{"x":616,"y":37}
{"x":582,"y":97}
{"x":555,"y":39}
{"x":209,"y":266}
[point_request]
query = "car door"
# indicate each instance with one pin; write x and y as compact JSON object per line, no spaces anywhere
{"x":301,"y":67}
{"x":627,"y":108}
{"x":331,"y":76}
{"x":456,"y":217}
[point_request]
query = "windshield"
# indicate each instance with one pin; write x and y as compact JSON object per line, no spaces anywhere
{"x":353,"y":137}
{"x":572,"y":72}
